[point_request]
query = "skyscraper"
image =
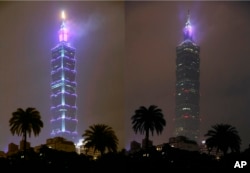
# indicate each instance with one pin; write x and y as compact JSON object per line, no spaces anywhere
{"x":63,"y":87}
{"x":187,"y":94}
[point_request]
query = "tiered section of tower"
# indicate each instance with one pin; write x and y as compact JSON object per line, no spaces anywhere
{"x":187,"y":95}
{"x":63,"y":88}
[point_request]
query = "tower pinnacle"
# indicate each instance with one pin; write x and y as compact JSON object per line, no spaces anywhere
{"x":63,"y":32}
{"x":63,"y":15}
{"x":188,"y":29}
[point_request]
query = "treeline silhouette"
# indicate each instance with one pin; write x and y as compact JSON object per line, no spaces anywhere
{"x":101,"y":137}
{"x":150,"y":159}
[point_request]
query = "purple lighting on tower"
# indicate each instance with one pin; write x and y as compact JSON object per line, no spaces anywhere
{"x":63,"y":32}
{"x":188,"y":29}
{"x":63,"y":88}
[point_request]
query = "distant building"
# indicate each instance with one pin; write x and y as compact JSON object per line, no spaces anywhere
{"x":89,"y":151}
{"x":204,"y":149}
{"x":92,"y":152}
{"x":80,"y":147}
{"x":12,"y":149}
{"x":3,"y":154}
{"x":134,"y":146}
{"x":187,"y":93}
{"x":183,"y":143}
{"x":61,"y":144}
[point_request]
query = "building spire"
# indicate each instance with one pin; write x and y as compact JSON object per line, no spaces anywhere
{"x":188,"y":29}
{"x":63,"y":32}
{"x":188,"y":18}
{"x":63,"y":15}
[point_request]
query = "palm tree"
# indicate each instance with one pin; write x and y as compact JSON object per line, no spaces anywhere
{"x":101,"y":137}
{"x":25,"y":122}
{"x":223,"y":137}
{"x":148,"y":120}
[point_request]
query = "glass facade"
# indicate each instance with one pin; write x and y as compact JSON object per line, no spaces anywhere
{"x":187,"y":93}
{"x":63,"y":89}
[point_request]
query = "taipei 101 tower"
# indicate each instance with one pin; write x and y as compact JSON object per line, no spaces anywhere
{"x":63,"y":87}
{"x":187,"y":93}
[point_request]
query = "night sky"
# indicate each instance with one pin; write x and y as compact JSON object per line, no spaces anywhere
{"x":126,"y":59}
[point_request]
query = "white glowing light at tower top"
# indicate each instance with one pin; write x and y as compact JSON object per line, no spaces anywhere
{"x":63,"y":15}
{"x":63,"y":32}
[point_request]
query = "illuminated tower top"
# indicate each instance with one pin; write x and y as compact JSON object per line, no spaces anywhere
{"x":63,"y":32}
{"x":188,"y":29}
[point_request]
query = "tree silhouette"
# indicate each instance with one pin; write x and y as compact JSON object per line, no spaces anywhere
{"x":25,"y":122}
{"x":223,"y":137}
{"x":147,"y":120}
{"x":101,"y":137}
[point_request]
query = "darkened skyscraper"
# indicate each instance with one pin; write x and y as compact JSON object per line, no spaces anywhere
{"x":187,"y":94}
{"x":63,"y":87}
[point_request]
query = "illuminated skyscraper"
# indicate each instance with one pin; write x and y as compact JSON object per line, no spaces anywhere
{"x":187,"y":94}
{"x":63,"y":87}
